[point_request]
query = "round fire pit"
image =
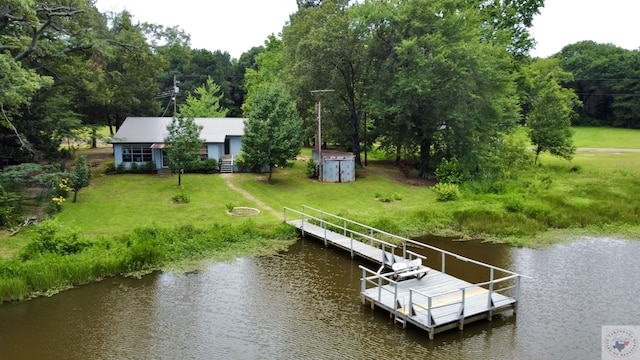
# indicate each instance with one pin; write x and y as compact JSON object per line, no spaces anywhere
{"x":243,"y":211}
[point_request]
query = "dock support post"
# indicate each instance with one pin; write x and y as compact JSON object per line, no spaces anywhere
{"x":443,"y":260}
{"x":325,"y":233}
{"x":431,"y":333}
{"x":302,"y":222}
{"x":517,"y":295}
{"x":351,"y":247}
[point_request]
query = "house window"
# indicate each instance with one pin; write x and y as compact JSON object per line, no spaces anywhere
{"x":204,"y":153}
{"x":136,"y":153}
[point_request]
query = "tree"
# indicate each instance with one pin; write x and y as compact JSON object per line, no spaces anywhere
{"x":205,"y":102}
{"x":324,"y":50}
{"x":606,"y":79}
{"x":551,"y":109}
{"x":183,"y":143}
{"x":273,"y":131}
{"x":438,"y":84}
{"x":80,"y":177}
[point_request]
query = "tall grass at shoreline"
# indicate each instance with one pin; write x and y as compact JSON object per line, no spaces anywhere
{"x":43,"y":270}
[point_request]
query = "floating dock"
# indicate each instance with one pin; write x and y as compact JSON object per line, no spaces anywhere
{"x":416,"y":293}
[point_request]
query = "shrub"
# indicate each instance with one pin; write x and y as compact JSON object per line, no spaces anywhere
{"x":206,"y":166}
{"x":180,"y":198}
{"x":121,"y":168}
{"x":62,"y":190}
{"x":241,"y":162}
{"x":49,"y":237}
{"x":450,"y":172}
{"x":10,"y":208}
{"x":447,"y":191}
{"x":147,"y":168}
{"x":312,"y":170}
{"x":108,"y":167}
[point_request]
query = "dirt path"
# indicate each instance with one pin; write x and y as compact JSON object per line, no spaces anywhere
{"x":227,"y":179}
{"x":609,"y":150}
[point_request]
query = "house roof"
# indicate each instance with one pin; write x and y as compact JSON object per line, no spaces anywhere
{"x":154,"y":129}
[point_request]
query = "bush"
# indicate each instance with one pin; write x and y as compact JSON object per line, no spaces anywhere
{"x":447,"y":191}
{"x":10,"y":208}
{"x":312,"y":170}
{"x":206,"y":166}
{"x":147,"y":168}
{"x":121,"y":168}
{"x":48,"y":237}
{"x":450,"y":172}
{"x":180,"y":198}
{"x":107,"y":167}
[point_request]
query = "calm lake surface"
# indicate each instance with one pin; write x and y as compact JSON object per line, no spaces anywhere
{"x":305,"y":304}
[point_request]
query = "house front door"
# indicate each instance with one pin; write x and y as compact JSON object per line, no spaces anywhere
{"x":165,"y":159}
{"x":227,"y":146}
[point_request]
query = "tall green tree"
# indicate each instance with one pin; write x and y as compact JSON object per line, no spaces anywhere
{"x":444,"y":84}
{"x":204,"y":102}
{"x":606,"y":79}
{"x":183,"y":144}
{"x":551,"y":109}
{"x":323,"y":51}
{"x":273,"y":131}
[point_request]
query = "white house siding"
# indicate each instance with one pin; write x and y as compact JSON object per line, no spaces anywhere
{"x":235,"y":144}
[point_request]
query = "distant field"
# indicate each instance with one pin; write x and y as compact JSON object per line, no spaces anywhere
{"x":600,"y":137}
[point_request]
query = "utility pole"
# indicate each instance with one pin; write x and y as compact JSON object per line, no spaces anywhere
{"x":319,"y":139}
{"x":176,"y":90}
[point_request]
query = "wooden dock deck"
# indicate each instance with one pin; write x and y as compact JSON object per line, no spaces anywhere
{"x":435,"y":302}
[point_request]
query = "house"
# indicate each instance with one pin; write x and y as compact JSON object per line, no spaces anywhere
{"x":141,"y":140}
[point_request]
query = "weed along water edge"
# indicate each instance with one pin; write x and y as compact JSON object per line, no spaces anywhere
{"x":305,"y":303}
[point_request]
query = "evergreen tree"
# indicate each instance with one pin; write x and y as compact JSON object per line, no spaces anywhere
{"x":273,"y":132}
{"x":81,"y":176}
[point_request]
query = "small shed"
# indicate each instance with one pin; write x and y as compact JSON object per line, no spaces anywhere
{"x":337,"y":166}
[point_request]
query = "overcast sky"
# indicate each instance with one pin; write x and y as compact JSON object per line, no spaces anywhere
{"x":236,"y":26}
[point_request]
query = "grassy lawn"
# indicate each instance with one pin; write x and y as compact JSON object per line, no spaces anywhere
{"x":537,"y":201}
{"x":597,"y":137}
{"x":124,"y":202}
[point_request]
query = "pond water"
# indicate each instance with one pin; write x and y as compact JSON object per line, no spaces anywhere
{"x":305,"y":303}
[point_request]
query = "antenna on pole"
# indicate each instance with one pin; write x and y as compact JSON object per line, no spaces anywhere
{"x":319,"y":138}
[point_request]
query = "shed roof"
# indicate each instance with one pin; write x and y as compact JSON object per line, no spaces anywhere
{"x":154,"y":129}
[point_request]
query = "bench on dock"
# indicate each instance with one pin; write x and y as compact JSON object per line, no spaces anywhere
{"x":409,"y":268}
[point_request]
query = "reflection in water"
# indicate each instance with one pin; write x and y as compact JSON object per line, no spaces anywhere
{"x":306,"y":304}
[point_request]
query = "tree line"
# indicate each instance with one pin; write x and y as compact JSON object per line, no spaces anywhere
{"x":432,"y":82}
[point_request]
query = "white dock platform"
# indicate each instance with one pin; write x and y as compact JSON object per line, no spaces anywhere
{"x":437,"y":301}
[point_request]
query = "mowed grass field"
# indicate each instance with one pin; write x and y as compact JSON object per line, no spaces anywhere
{"x":596,"y":192}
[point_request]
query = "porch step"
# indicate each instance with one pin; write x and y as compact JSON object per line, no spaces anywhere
{"x":226,"y":167}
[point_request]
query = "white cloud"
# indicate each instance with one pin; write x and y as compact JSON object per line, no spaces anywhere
{"x":565,"y":22}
